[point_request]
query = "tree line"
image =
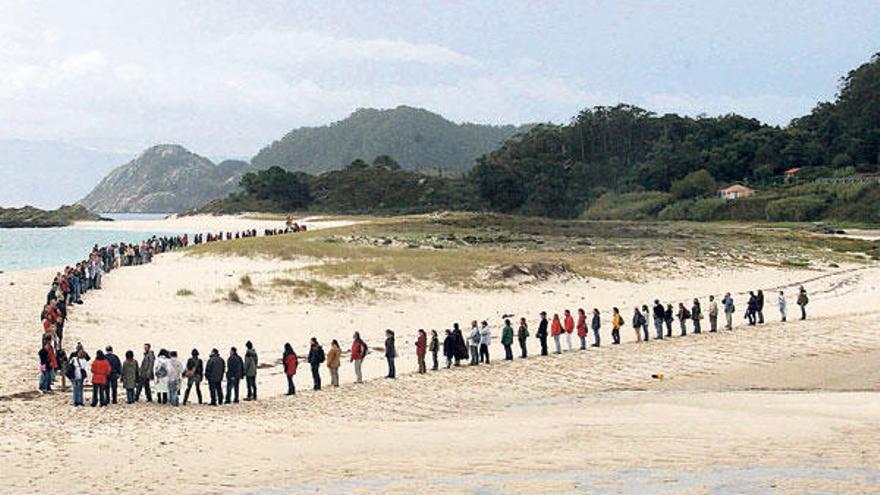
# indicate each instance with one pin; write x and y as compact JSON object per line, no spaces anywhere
{"x":562,"y":171}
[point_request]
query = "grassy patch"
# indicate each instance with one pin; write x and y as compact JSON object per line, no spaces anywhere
{"x":317,"y":289}
{"x":463,"y":250}
{"x":184,"y":292}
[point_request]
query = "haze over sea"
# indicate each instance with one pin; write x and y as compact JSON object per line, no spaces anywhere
{"x":23,"y":249}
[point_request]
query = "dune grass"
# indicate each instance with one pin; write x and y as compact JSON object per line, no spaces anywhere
{"x":461,"y":249}
{"x":184,"y":292}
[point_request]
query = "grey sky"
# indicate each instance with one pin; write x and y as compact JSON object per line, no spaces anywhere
{"x":226,"y":78}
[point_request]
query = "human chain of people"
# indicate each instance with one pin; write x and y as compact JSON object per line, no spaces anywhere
{"x":164,"y":372}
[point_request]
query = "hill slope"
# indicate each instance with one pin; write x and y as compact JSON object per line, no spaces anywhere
{"x":48,"y":174}
{"x":165,"y":178}
{"x":416,"y":138}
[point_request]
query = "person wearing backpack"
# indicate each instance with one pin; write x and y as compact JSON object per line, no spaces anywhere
{"x":616,"y":323}
{"x":391,"y":353}
{"x":637,"y":323}
{"x":683,"y":316}
{"x":316,"y":357}
{"x":161,"y":371}
{"x":129,"y":376}
{"x":802,"y":301}
{"x":250,"y":370}
{"x":729,"y":310}
{"x":522,"y":335}
{"x":234,"y":374}
{"x":77,"y":371}
{"x":541,"y":334}
{"x":290,"y":361}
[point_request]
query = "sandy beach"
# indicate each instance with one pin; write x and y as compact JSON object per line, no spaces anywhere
{"x":785,"y":407}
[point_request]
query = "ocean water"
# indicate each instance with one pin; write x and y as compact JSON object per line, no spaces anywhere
{"x":22,"y":249}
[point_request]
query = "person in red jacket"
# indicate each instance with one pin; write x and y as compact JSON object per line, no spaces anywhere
{"x":100,"y":373}
{"x":358,"y":353}
{"x":569,"y":328}
{"x":291,"y":361}
{"x":582,"y":328}
{"x":421,"y":348}
{"x":556,"y":331}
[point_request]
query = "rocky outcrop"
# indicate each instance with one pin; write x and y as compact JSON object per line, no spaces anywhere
{"x":166,"y":178}
{"x":28,"y":216}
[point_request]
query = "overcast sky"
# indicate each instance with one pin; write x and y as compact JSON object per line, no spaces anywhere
{"x":226,"y":78}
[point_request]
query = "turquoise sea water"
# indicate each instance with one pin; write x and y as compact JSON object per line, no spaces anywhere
{"x":22,"y":249}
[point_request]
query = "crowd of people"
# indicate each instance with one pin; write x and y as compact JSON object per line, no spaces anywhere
{"x":165,"y":373}
{"x":70,"y":285}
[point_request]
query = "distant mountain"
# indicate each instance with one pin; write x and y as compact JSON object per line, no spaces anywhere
{"x":166,"y":178}
{"x":48,"y":174}
{"x":415,"y":138}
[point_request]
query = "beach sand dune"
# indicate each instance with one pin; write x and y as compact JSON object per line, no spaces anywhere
{"x":788,"y":407}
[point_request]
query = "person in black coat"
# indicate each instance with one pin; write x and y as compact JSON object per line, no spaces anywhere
{"x":460,"y":348}
{"x":449,"y":348}
{"x":115,"y":372}
{"x":541,"y":334}
{"x":390,"y":353}
{"x":752,"y":308}
{"x":214,"y":372}
{"x":759,"y":306}
{"x":668,"y":317}
{"x":316,"y":357}
{"x":234,"y":374}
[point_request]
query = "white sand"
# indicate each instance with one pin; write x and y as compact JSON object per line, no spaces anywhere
{"x":206,"y":223}
{"x":562,"y":424}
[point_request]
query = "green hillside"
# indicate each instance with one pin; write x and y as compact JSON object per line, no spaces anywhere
{"x":416,"y":138}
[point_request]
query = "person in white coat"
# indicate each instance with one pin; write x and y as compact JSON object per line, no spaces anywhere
{"x":79,"y":362}
{"x":161,"y":370}
{"x":474,"y":343}
{"x":782,"y":305}
{"x":485,"y":340}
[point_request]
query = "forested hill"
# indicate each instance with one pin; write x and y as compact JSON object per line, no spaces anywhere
{"x":416,"y":138}
{"x":559,"y":170}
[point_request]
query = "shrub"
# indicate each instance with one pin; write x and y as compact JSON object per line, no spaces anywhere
{"x":796,"y":209}
{"x":694,"y":185}
{"x":627,"y":206}
{"x":184,"y":292}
